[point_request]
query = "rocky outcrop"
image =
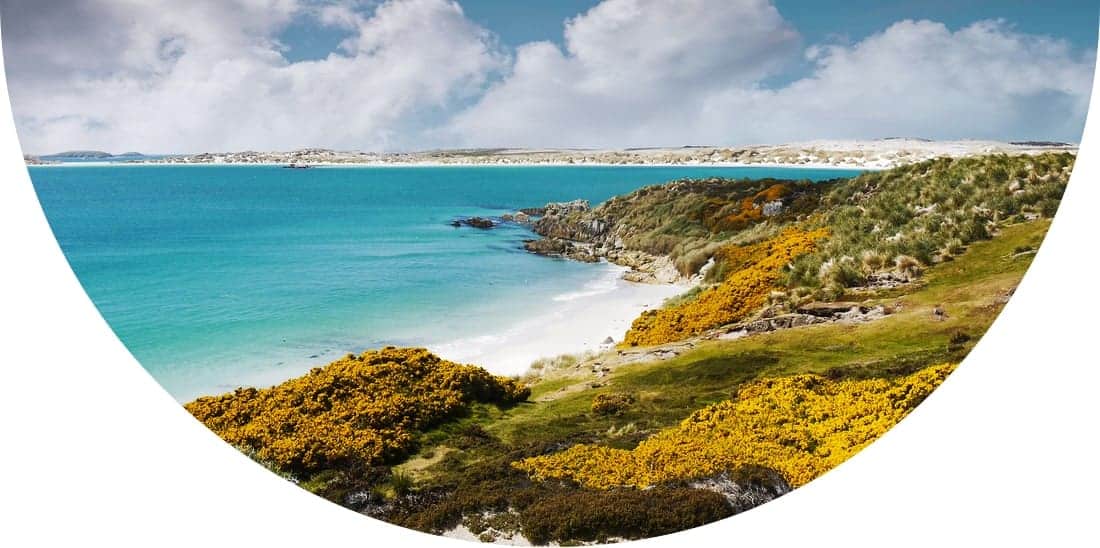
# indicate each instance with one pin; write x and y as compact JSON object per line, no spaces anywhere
{"x":666,"y":233}
{"x":829,"y":310}
{"x":557,"y":247}
{"x":574,"y":230}
{"x":745,"y":489}
{"x":474,"y":222}
{"x":811,"y":314}
{"x":565,"y":220}
{"x":767,"y":325}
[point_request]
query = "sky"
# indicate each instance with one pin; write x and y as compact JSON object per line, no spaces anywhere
{"x":160,"y":76}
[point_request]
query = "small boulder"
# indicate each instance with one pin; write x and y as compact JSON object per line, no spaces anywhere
{"x":475,"y":222}
{"x":479,"y":222}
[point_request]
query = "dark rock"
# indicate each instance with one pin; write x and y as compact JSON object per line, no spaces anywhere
{"x":785,"y":321}
{"x":885,"y":280}
{"x":475,"y":222}
{"x":548,"y":246}
{"x":828,"y":310}
{"x":479,"y":222}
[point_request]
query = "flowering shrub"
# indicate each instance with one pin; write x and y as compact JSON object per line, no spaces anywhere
{"x":726,"y":214}
{"x":611,"y":404}
{"x":754,"y":270}
{"x":360,"y":409}
{"x":800,"y":426}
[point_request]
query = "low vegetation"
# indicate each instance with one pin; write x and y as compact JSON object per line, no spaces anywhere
{"x":360,"y":410}
{"x":800,"y":426}
{"x":671,"y":430}
{"x":752,"y":274}
{"x":896,"y":223}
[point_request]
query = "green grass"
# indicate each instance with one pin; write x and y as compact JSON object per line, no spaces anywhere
{"x":970,"y":289}
{"x":463,"y":467}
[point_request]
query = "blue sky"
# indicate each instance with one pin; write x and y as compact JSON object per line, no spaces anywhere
{"x":518,"y":22}
{"x":163,"y":76}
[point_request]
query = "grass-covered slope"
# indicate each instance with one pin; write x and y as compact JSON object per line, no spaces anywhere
{"x":467,"y":467}
{"x":893,"y":223}
{"x":800,"y":426}
{"x":679,"y":426}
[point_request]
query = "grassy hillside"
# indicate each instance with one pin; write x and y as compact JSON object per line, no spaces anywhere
{"x":593,"y":447}
{"x":469,"y":467}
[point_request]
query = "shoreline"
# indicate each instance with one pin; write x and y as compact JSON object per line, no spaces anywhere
{"x":572,"y":323}
{"x":841,"y":154}
{"x":400,"y":165}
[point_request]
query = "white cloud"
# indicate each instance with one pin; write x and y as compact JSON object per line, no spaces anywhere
{"x":209,"y":75}
{"x":692,"y":74}
{"x":632,"y":70}
{"x":171,"y":76}
{"x":918,"y":78}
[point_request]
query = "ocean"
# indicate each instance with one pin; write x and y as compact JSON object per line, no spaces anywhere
{"x":221,"y":276}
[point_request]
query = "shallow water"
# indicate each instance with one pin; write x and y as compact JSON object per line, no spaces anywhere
{"x":221,"y":276}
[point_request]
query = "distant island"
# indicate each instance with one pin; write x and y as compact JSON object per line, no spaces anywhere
{"x":84,"y":156}
{"x":859,"y":154}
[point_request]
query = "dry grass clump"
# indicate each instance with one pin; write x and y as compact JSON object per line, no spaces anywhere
{"x":901,"y":220}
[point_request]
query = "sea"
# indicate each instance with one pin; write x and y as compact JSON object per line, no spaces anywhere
{"x":216,"y":277}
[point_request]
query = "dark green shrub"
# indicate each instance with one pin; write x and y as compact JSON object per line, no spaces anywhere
{"x":588,"y":516}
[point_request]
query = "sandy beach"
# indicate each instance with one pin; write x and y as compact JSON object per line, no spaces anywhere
{"x":572,"y":323}
{"x":869,"y":154}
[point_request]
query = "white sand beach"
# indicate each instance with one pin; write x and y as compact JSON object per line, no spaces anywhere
{"x":831,"y":153}
{"x":572,"y":323}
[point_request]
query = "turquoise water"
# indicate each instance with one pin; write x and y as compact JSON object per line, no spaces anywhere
{"x":220,"y":276}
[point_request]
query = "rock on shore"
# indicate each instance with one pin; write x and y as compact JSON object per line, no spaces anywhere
{"x":574,"y":230}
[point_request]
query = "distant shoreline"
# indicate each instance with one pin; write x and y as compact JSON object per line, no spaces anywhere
{"x":823,"y":154}
{"x":364,"y":165}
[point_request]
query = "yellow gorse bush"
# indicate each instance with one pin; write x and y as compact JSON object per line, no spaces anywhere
{"x":800,"y":426}
{"x":756,"y":269}
{"x":365,"y":409}
{"x":722,"y":215}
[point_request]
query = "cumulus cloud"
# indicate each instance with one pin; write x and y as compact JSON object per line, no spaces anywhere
{"x":692,"y":73}
{"x":167,"y":76}
{"x":631,"y":72}
{"x":209,"y":74}
{"x":920,"y":79}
